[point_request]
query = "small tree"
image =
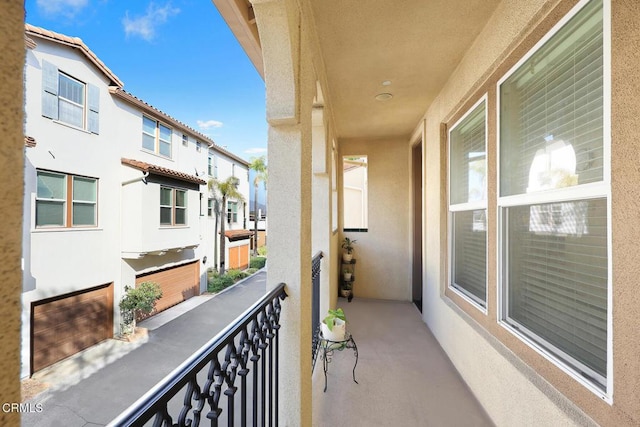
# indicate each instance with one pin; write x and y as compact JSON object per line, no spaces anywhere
{"x":136,"y":302}
{"x":259,"y":165}
{"x":228,"y":189}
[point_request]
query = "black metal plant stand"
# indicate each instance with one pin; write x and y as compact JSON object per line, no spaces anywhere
{"x":327,"y":347}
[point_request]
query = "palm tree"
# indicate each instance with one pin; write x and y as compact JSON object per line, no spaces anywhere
{"x":259,"y":165}
{"x":228,"y":189}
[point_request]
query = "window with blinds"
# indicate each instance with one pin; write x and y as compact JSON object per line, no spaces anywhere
{"x":468,"y":205}
{"x":553,"y":198}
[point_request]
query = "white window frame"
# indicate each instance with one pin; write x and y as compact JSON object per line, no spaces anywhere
{"x":600,"y":189}
{"x":83,"y":106}
{"x":232,"y":217}
{"x":468,"y":207}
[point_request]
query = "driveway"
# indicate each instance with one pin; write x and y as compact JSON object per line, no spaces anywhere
{"x":100,"y":394}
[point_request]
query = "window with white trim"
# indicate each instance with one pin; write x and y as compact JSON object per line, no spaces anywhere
{"x":69,"y":100}
{"x":355,"y":194}
{"x":156,"y":137}
{"x":553,"y":199}
{"x":232,"y":212}
{"x":210,"y":164}
{"x":210,"y":207}
{"x":468,"y":205}
{"x":173,"y":206}
{"x":64,"y":200}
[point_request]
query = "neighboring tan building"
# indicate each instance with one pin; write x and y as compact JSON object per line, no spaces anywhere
{"x":115,"y":194}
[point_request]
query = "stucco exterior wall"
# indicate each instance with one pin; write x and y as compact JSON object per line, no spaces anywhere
{"x":11,"y":162}
{"x":512,"y":381}
{"x":383,"y":252}
{"x":90,"y":253}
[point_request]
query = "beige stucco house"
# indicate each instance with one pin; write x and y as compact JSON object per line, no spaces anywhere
{"x":502,"y":188}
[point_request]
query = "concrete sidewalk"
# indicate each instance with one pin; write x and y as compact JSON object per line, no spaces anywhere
{"x":93,"y":387}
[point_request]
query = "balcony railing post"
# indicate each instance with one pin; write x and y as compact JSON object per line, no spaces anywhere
{"x":315,"y":302}
{"x":253,"y":337}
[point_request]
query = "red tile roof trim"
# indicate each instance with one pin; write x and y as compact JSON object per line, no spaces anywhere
{"x":234,"y":235}
{"x":162,"y":171}
{"x":74,"y":42}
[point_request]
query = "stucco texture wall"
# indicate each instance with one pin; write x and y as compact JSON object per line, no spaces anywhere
{"x":511,"y":380}
{"x":11,"y":172}
{"x":383,"y":257}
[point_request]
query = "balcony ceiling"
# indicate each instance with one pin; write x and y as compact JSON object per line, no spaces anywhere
{"x":413,"y":44}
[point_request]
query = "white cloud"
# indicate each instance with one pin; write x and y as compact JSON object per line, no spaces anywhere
{"x":145,"y":26}
{"x":209,"y":124}
{"x":68,"y":8}
{"x":255,"y":150}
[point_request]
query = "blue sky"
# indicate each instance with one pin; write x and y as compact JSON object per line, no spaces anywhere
{"x":178,"y":56}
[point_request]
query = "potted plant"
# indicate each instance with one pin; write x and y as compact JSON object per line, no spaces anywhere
{"x":347,"y":245}
{"x":347,"y":275}
{"x":334,"y":325}
{"x":137,"y":302}
{"x":345,"y":289}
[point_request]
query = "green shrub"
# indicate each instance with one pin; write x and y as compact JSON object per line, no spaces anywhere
{"x":138,"y":301}
{"x":257,"y":262}
{"x":236,"y":275}
{"x":218,"y":283}
{"x":250,"y":271}
{"x":262,"y":251}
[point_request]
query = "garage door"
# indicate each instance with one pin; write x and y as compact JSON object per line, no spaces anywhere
{"x":177,"y":284}
{"x":65,"y":325}
{"x":239,"y":257}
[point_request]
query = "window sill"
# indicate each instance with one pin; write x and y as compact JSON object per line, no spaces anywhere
{"x":73,"y":127}
{"x":153,"y":153}
{"x":64,"y":229}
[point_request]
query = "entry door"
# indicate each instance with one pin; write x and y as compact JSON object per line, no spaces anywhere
{"x":417,"y":224}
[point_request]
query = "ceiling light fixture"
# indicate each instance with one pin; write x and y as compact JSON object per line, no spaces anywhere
{"x":386,"y":83}
{"x":384,"y":96}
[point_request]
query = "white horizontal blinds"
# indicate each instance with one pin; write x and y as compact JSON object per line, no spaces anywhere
{"x":71,"y":101}
{"x":468,"y":159}
{"x":558,"y":277}
{"x":469,"y":253}
{"x":467,"y":192}
{"x":84,"y":201}
{"x":555,"y":245}
{"x":551,"y":111}
{"x":51,"y":199}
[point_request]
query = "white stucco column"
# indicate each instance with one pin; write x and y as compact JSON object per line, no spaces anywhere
{"x":321,"y":206}
{"x":290,"y":89}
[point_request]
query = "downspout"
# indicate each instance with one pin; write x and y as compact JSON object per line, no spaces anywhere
{"x":142,"y":178}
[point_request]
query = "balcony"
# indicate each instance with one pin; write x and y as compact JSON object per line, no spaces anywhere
{"x":404,"y":377}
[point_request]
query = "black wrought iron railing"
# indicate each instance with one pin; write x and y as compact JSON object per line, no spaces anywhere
{"x":315,"y":302}
{"x":232,"y":380}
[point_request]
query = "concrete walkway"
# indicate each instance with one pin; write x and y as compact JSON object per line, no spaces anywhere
{"x":93,"y":387}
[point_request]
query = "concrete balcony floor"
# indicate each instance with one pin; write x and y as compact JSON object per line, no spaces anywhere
{"x":405,"y":378}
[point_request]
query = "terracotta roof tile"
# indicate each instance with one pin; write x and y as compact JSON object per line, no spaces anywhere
{"x":29,"y":141}
{"x":233,"y":235}
{"x":73,"y":42}
{"x":162,"y":171}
